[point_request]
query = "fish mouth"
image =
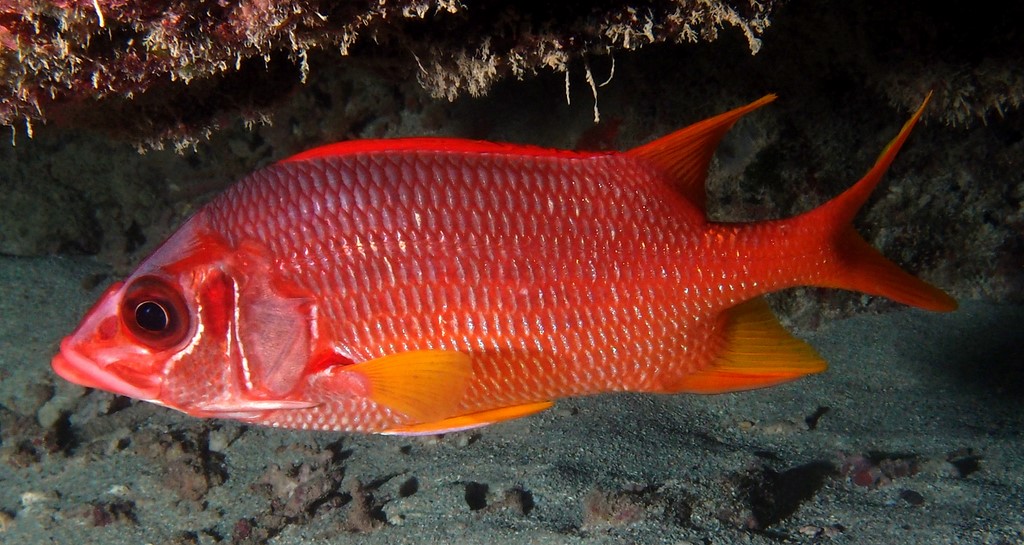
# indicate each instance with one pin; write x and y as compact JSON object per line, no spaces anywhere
{"x":72,"y":366}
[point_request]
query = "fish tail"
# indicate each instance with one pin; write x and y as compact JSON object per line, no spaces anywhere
{"x":857,"y":265}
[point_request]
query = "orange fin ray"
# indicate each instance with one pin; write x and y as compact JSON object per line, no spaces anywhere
{"x":472,"y":420}
{"x":860,"y":267}
{"x":756,"y":351}
{"x":685,"y":155}
{"x":866,"y":270}
{"x":425,"y":385}
{"x":845,"y":206}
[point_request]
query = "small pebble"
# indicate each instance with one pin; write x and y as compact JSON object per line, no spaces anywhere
{"x":783,"y":427}
{"x":53,"y":410}
{"x":912,"y":497}
{"x":221,"y":438}
{"x":6,"y":519}
{"x":939,"y":467}
{"x":810,"y":530}
{"x":432,"y":440}
{"x":832,"y":530}
{"x":119,"y":490}
{"x":829,"y":531}
{"x":90,"y":282}
{"x":33,"y":498}
{"x":29,"y":399}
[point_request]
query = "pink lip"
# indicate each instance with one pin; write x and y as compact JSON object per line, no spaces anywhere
{"x":76,"y":368}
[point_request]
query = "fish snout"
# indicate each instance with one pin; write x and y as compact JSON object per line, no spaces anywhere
{"x":73,"y":366}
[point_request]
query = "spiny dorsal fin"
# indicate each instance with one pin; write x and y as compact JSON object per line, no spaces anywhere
{"x":755,"y":352}
{"x":685,"y":155}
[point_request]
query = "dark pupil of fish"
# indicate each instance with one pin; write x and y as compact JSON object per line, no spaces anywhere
{"x":151,"y":316}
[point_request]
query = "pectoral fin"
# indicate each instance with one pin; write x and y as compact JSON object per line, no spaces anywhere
{"x":755,"y":351}
{"x":425,"y":385}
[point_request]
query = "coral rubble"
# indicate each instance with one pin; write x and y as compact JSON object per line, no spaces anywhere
{"x":215,"y":56}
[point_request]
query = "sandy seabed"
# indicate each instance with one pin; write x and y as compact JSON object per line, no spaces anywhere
{"x":914,"y":435}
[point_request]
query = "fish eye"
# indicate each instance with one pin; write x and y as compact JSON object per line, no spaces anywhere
{"x":152,"y":316}
{"x":154,"y":312}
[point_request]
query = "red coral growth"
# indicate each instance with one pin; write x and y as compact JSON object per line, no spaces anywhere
{"x":633,"y":504}
{"x":880,"y":470}
{"x":874,"y":472}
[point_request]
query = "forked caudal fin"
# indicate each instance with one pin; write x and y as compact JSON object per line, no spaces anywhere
{"x":753,"y":350}
{"x":858,"y":266}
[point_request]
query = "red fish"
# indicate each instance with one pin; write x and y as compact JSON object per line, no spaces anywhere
{"x":429,"y":285}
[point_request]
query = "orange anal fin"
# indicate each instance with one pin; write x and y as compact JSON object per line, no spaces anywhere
{"x":685,"y":155}
{"x":470,"y":421}
{"x":424,"y":385}
{"x":755,"y":352}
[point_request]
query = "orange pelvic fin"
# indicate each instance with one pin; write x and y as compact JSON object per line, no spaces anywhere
{"x":861,"y":267}
{"x":755,"y":351}
{"x":426,"y":385}
{"x":685,"y":155}
{"x":470,"y":421}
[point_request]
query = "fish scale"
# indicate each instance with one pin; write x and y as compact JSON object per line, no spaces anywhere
{"x":431,"y":285}
{"x":461,"y":250}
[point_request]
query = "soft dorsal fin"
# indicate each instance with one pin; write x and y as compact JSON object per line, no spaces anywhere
{"x":685,"y":155}
{"x":755,"y":351}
